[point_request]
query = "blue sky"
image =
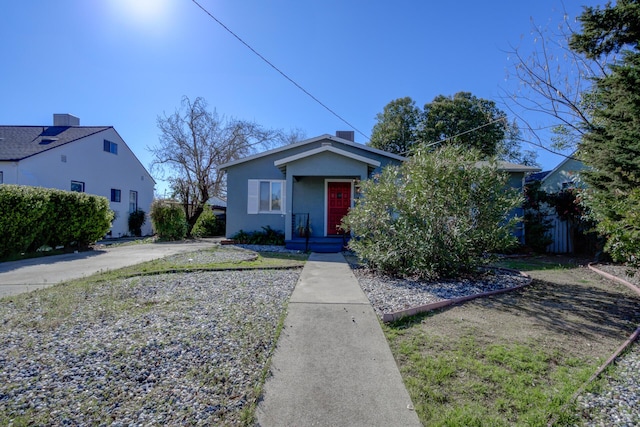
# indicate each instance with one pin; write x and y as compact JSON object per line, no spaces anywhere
{"x":124,"y":62}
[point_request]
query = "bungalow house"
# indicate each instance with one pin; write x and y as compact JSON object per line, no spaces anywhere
{"x":67,"y":156}
{"x":309,"y":185}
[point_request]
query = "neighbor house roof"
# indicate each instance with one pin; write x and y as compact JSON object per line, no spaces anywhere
{"x":511,"y":167}
{"x":311,"y":141}
{"x":20,"y":142}
{"x":538,"y":176}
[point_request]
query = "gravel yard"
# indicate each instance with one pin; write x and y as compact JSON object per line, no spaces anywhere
{"x":173,"y":349}
{"x":389,"y":294}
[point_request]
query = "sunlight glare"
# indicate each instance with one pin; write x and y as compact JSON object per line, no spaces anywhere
{"x":144,"y":14}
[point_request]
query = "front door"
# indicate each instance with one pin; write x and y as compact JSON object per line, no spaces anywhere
{"x":339,"y":195}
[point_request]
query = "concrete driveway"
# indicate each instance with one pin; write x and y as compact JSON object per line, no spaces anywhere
{"x":29,"y":274}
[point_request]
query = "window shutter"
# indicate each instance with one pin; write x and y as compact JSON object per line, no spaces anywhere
{"x":253,"y":199}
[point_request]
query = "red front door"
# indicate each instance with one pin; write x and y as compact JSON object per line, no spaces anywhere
{"x":339,"y":194}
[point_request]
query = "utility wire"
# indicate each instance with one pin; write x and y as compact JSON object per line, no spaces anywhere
{"x":278,"y":70}
{"x":501,"y":119}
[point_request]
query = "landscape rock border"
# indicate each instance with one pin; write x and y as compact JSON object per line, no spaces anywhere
{"x":632,"y":338}
{"x":412,"y":311}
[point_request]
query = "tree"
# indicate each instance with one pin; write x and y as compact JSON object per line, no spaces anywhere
{"x":554,"y":81}
{"x":193,"y":143}
{"x":397,"y":128}
{"x":464,"y":120}
{"x":611,"y":146}
{"x":436,"y":215}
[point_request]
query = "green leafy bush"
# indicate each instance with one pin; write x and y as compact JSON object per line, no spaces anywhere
{"x":136,"y":220}
{"x":208,"y":225}
{"x":268,"y":236}
{"x":31,"y":217}
{"x":168,"y":220}
{"x":437,"y":215}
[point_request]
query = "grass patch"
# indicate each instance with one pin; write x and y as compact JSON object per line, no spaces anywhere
{"x":532,"y":264}
{"x":466,"y":382}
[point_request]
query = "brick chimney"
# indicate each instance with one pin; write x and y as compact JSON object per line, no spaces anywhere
{"x":349,"y":135}
{"x":65,"y":120}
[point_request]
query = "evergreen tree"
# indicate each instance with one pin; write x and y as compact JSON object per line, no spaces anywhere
{"x":396,"y":129}
{"x":611,"y":147}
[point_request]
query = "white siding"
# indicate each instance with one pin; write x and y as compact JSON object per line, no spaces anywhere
{"x":86,"y":161}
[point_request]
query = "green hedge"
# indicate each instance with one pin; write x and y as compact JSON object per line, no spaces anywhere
{"x":31,"y":217}
{"x":169,"y":220}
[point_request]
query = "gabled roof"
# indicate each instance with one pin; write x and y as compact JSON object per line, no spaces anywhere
{"x":538,"y":176}
{"x":561,"y":165}
{"x":326,"y":148}
{"x":311,"y":141}
{"x":511,"y":167}
{"x":20,"y":142}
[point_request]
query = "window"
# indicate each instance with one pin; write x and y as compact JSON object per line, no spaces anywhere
{"x":115,"y":195}
{"x":1,"y":178}
{"x":110,"y":147}
{"x":266,"y":196}
{"x":77,"y":186}
{"x":133,"y":201}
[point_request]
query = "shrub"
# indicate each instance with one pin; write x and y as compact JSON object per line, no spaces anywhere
{"x":32,"y":217}
{"x":208,"y":225}
{"x":168,"y":220}
{"x":137,"y":219}
{"x":268,"y":236}
{"x":436,"y":215}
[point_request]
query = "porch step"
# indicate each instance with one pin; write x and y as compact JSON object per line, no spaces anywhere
{"x":323,"y":245}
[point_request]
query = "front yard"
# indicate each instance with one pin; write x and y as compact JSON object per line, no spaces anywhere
{"x":515,"y":358}
{"x":187,"y":340}
{"x":181,"y":344}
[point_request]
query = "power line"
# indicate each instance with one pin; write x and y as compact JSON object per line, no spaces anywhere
{"x":278,"y":70}
{"x":500,"y":119}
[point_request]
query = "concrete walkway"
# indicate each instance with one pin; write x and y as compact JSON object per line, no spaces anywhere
{"x":332,"y":365}
{"x":26,"y":275}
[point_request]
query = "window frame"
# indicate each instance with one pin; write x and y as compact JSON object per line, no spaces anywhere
{"x":110,"y":147}
{"x":133,"y":200}
{"x":255,"y":199}
{"x":78,"y":183}
{"x":116,"y":195}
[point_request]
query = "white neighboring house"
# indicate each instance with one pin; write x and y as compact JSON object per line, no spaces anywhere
{"x":90,"y":159}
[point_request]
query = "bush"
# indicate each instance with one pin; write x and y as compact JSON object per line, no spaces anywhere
{"x":208,"y":225}
{"x":168,"y":220}
{"x":268,"y":236}
{"x":32,"y":217}
{"x":137,"y":219}
{"x":436,"y":215}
